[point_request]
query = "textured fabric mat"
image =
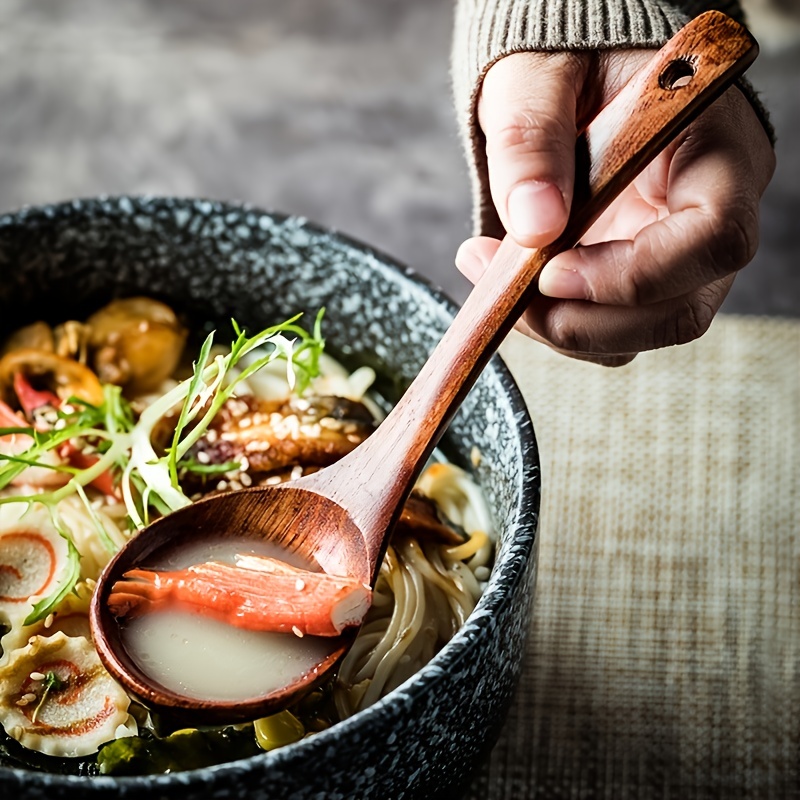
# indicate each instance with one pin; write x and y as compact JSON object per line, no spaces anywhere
{"x":665,"y":651}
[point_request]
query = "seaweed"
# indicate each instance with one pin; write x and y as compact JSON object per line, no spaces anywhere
{"x":180,"y":751}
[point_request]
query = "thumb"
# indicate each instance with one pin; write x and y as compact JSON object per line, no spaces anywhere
{"x":527,"y":112}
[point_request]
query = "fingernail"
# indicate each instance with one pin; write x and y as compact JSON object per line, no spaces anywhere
{"x":469,"y":264}
{"x":566,"y":284}
{"x":535,"y":209}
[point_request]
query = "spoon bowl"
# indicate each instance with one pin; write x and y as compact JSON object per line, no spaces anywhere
{"x":340,"y":518}
{"x":257,"y":513}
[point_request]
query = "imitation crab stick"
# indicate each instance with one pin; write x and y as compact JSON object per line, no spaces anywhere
{"x":257,"y":593}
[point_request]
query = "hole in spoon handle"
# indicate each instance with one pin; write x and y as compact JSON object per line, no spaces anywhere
{"x":677,"y":74}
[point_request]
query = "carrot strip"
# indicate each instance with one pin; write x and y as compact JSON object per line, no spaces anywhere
{"x":258,"y":594}
{"x":104,"y":482}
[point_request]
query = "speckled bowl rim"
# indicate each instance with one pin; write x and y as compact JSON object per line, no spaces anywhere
{"x":507,"y":572}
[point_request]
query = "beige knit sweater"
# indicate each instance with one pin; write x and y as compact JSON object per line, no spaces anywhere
{"x":487,"y":30}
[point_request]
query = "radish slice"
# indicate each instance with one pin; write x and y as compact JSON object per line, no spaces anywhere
{"x":33,"y":557}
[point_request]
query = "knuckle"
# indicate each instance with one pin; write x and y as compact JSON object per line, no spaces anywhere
{"x":693,"y":319}
{"x":639,"y":284}
{"x":566,"y":336}
{"x":526,"y":130}
{"x":738,"y":237}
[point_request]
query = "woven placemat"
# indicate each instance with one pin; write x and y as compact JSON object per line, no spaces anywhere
{"x":665,"y":650}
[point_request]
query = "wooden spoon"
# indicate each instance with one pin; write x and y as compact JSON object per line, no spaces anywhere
{"x":341,"y":517}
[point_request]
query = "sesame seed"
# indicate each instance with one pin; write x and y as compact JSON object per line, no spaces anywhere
{"x":297,"y":632}
{"x":203,"y":457}
{"x":297,"y":472}
{"x":49,"y":620}
{"x":299,"y":584}
{"x":331,"y":424}
{"x":222,"y":486}
{"x":37,"y":676}
{"x":245,"y":479}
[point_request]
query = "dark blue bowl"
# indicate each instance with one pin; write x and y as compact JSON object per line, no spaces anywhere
{"x":214,"y":261}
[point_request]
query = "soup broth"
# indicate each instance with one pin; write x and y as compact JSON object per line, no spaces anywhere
{"x":201,"y":658}
{"x":204,"y":659}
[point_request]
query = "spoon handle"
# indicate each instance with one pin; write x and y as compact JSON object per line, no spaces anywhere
{"x":680,"y":81}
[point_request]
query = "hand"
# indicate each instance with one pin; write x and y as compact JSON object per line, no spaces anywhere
{"x":655,"y":268}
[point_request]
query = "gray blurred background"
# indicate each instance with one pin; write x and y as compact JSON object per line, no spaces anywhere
{"x":338,"y":110}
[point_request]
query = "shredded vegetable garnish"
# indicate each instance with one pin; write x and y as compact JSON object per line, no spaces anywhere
{"x":212,"y":384}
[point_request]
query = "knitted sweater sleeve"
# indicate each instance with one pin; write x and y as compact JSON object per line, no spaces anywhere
{"x":487,"y":30}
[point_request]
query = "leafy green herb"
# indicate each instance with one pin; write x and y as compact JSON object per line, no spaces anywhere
{"x":102,"y":429}
{"x":191,"y":465}
{"x":51,"y":683}
{"x":69,"y":579}
{"x":99,"y":528}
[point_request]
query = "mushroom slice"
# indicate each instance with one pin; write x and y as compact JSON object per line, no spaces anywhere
{"x":33,"y":557}
{"x":38,"y":335}
{"x":136,"y":343}
{"x":56,"y":697}
{"x":421,"y":518}
{"x":65,"y":377}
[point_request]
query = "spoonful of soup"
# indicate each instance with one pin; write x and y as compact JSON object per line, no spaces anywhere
{"x":280,"y":576}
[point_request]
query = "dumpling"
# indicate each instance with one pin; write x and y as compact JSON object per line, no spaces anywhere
{"x":71,"y":616}
{"x":56,"y":697}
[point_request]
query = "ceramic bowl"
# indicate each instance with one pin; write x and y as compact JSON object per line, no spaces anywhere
{"x":214,"y":261}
